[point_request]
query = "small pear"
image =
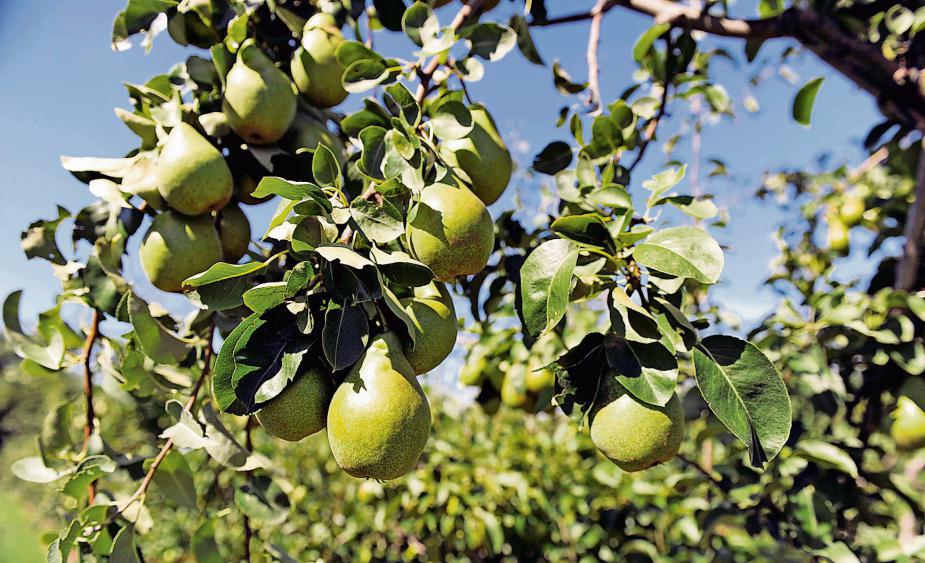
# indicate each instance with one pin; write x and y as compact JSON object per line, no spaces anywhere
{"x":513,"y":389}
{"x":838,"y":236}
{"x":307,"y":132}
{"x":539,"y":380}
{"x":300,"y":409}
{"x":633,"y":434}
{"x":177,"y":247}
{"x":851,"y":211}
{"x":451,"y":231}
{"x":259,"y":100}
{"x":244,"y":186}
{"x":431,"y":311}
{"x":191,"y":174}
{"x":379,"y":418}
{"x":314,"y":68}
{"x":483,"y":156}
{"x":908,"y":428}
{"x":234,"y":230}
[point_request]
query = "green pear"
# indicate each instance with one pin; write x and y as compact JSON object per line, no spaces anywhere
{"x":314,"y":68}
{"x":191,"y":174}
{"x":300,"y":409}
{"x":908,"y":428}
{"x":177,"y":247}
{"x":474,"y":371}
{"x":244,"y":186}
{"x":837,"y":236}
{"x":379,"y":418}
{"x":851,"y":210}
{"x":513,"y":389}
{"x":259,"y":100}
{"x":483,"y":156}
{"x":451,"y":231}
{"x":539,"y":380}
{"x":633,"y":434}
{"x":234,"y":230}
{"x":435,"y":329}
{"x":307,"y":132}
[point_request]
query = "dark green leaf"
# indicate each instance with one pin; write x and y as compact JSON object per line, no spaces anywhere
{"x":344,"y":336}
{"x":805,"y":100}
{"x":555,"y":157}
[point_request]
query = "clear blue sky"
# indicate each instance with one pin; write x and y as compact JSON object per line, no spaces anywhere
{"x":61,"y":82}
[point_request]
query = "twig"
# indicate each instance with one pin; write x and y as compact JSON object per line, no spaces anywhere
{"x":426,"y":72}
{"x":594,"y":41}
{"x":168,"y":445}
{"x":908,"y":266}
{"x":249,"y":444}
{"x":869,"y":163}
{"x":687,"y":461}
{"x":90,"y":415}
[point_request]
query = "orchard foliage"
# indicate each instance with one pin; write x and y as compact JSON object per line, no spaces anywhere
{"x":343,"y":299}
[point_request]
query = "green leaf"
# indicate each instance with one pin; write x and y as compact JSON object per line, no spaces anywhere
{"x":587,"y":229}
{"x":34,"y":470}
{"x":345,"y":333}
{"x":401,"y":268}
{"x":203,"y":545}
{"x":87,"y":471}
{"x":682,"y":251}
{"x":295,"y":191}
{"x":381,"y":222}
{"x":745,"y":391}
{"x":325,"y":168}
{"x":827,"y":455}
{"x":175,"y":479}
{"x":563,"y":82}
{"x":491,"y":41}
{"x":545,"y":281}
{"x":344,"y":255}
{"x":263,"y":500}
{"x":373,"y":140}
{"x":137,"y":16}
{"x":662,"y":182}
{"x":805,"y":100}
{"x":123,"y":548}
{"x":365,"y":75}
{"x":223,"y":370}
{"x":647,"y":39}
{"x":401,"y":101}
{"x":612,"y":195}
{"x":38,"y":241}
{"x":632,"y":321}
{"x":648,"y":371}
{"x":11,"y":312}
{"x":525,"y":40}
{"x":156,"y":342}
{"x":554,"y":158}
{"x":265,"y":296}
{"x":349,"y":52}
{"x":419,"y":23}
{"x":451,"y":120}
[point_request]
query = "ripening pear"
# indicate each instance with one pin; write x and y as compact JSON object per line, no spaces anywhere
{"x":244,"y":186}
{"x":314,"y":68}
{"x":538,"y":380}
{"x":451,"y":231}
{"x":513,"y":389}
{"x":482,"y":155}
{"x":851,"y":210}
{"x":191,"y":174}
{"x":177,"y":247}
{"x":434,"y":317}
{"x":837,"y":236}
{"x":379,"y":418}
{"x":908,"y":428}
{"x":259,"y":100}
{"x":300,"y":409}
{"x":633,"y":434}
{"x":234,"y":230}
{"x":306,"y":132}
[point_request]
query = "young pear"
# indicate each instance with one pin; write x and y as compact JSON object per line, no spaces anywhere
{"x":259,"y":101}
{"x":431,"y":310}
{"x":300,"y":409}
{"x":838,"y":236}
{"x":451,"y":231}
{"x":632,"y":434}
{"x":307,"y":132}
{"x":379,"y":419}
{"x":539,"y":380}
{"x":482,"y":155}
{"x":851,"y":210}
{"x":908,"y":428}
{"x":314,"y":68}
{"x":191,"y":174}
{"x":177,"y":247}
{"x":513,"y":389}
{"x":234,"y":230}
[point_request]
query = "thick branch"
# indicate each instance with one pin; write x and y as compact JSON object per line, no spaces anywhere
{"x":594,"y":41}
{"x":908,"y":265}
{"x":90,"y":415}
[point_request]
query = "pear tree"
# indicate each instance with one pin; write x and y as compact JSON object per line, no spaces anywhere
{"x":324,"y":318}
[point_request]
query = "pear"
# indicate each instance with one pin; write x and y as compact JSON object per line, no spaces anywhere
{"x":431,"y":310}
{"x":300,"y":409}
{"x":908,"y":428}
{"x":307,"y":132}
{"x":234,"y":230}
{"x":191,"y":174}
{"x":314,"y":68}
{"x":244,"y":186}
{"x":259,"y":100}
{"x":482,"y":155}
{"x":513,"y":389}
{"x":379,"y":419}
{"x":851,"y":210}
{"x":837,"y":236}
{"x":539,"y":380}
{"x":451,"y":231}
{"x":633,"y":434}
{"x":474,"y":371}
{"x":177,"y":247}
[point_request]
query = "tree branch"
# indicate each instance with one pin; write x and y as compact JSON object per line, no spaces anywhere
{"x":908,"y":265}
{"x":425,"y":73}
{"x":90,"y":415}
{"x":168,"y":445}
{"x":594,"y":41}
{"x":249,"y":444}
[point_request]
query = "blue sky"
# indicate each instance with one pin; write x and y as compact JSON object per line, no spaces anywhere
{"x":61,"y":81}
